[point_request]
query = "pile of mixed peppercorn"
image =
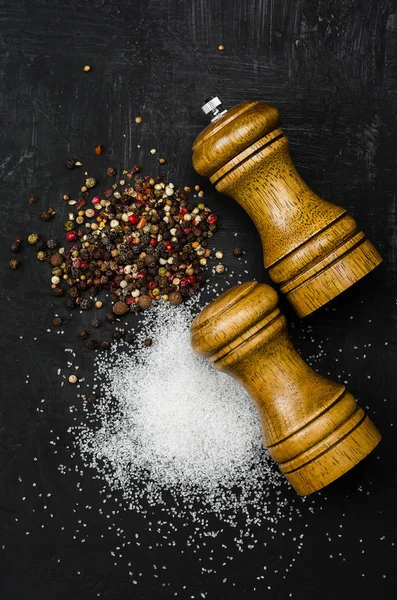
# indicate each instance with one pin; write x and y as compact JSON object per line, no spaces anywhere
{"x":144,"y":243}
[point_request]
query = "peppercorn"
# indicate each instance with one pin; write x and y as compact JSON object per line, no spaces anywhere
{"x":41,"y":245}
{"x":105,"y":346}
{"x":85,"y":304}
{"x":33,"y":238}
{"x":42,"y":255}
{"x":120,"y":308}
{"x":144,"y":302}
{"x":92,"y":398}
{"x":148,"y":341}
{"x":68,"y":225}
{"x":57,"y":321}
{"x":110,"y":317}
{"x":72,"y":379}
{"x":14,"y":263}
{"x":47,"y":215}
{"x":90,"y":182}
{"x":117,"y":335}
{"x":32,"y":200}
{"x":175,"y":298}
{"x":70,"y":164}
{"x":56,"y":259}
{"x":58,"y":291}
{"x":111,"y":172}
{"x":87,"y":68}
{"x":129,"y":338}
{"x":51,"y":244}
{"x":95,"y":323}
{"x":150,"y":261}
{"x":219,"y":268}
{"x":15,"y":246}
{"x":92,"y":345}
{"x":237,"y":252}
{"x":82,"y":334}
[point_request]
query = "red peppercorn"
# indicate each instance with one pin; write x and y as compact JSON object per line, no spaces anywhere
{"x":84,"y":266}
{"x":76,"y":262}
{"x":140,"y":274}
{"x":187,"y":230}
{"x":153,"y":242}
{"x":152,"y":285}
{"x":191,"y":279}
{"x":96,"y":200}
{"x":212,"y":218}
{"x":133,"y":219}
{"x":71,"y":236}
{"x":168,"y":247}
{"x":129,"y":300}
{"x":184,"y":281}
{"x":184,"y":210}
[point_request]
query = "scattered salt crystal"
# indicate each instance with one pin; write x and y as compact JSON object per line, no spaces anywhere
{"x":169,"y":423}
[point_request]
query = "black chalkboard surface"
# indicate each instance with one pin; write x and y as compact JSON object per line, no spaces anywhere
{"x":330,"y":67}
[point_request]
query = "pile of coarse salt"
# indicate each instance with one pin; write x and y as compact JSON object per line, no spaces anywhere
{"x":170,"y":430}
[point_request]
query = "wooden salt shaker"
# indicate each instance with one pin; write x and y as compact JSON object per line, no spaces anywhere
{"x":312,"y":248}
{"x":312,"y":427}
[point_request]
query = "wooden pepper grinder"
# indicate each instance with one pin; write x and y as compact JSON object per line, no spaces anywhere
{"x":312,"y":427}
{"x":311,"y":247}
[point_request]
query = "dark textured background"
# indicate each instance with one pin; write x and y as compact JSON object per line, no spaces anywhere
{"x":330,"y":67}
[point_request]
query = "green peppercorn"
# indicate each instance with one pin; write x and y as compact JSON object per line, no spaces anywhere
{"x":68,"y":225}
{"x":162,"y":271}
{"x":42,"y":255}
{"x":14,"y":263}
{"x":90,"y":182}
{"x":57,"y":272}
{"x":33,"y":238}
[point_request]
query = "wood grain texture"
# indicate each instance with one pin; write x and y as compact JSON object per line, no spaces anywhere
{"x":310,"y":246}
{"x":311,"y":426}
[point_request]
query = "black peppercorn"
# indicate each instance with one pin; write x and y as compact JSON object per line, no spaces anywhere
{"x":148,"y":341}
{"x":105,"y":346}
{"x":92,"y":398}
{"x":92,"y":345}
{"x":117,"y":335}
{"x":58,"y":291}
{"x":82,"y":334}
{"x":110,"y":317}
{"x":129,"y":338}
{"x":95,"y":323}
{"x":237,"y":252}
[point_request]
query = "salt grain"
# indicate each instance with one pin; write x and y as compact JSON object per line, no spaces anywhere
{"x":170,"y":423}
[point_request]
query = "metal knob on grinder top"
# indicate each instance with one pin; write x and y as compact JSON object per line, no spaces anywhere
{"x":313,"y":249}
{"x":312,"y":426}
